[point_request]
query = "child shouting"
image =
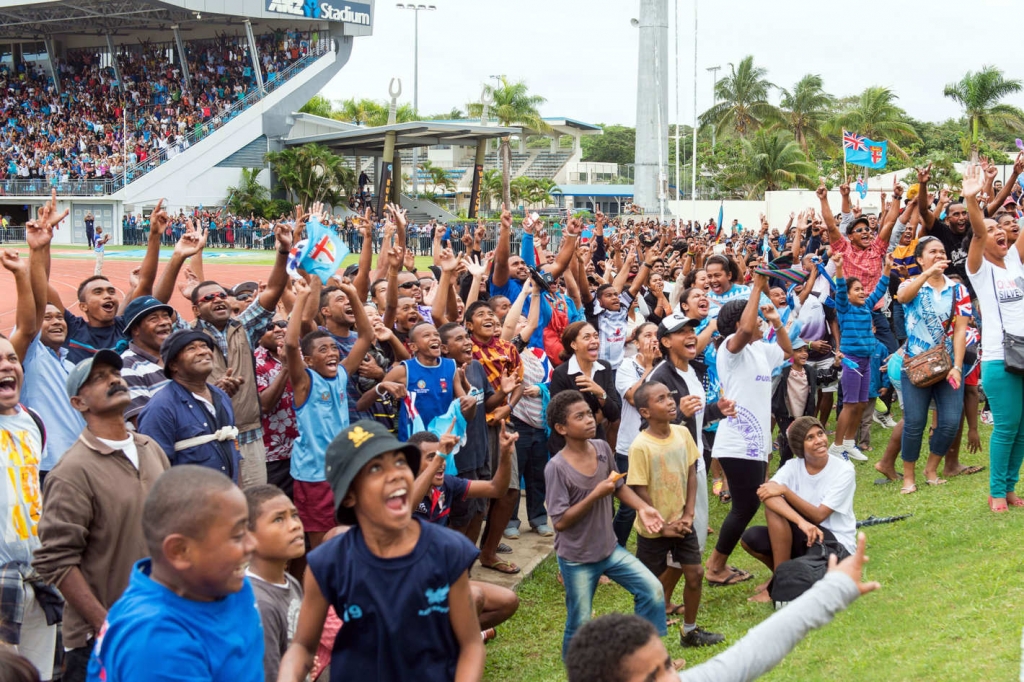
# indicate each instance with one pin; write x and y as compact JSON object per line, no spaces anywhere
{"x":389,"y":576}
{"x":188,"y":611}
{"x":580,"y":481}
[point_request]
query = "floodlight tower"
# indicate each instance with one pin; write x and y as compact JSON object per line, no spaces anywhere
{"x":652,"y":105}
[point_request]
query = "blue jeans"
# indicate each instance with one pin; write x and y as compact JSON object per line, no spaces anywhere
{"x":883,"y":332}
{"x":622,"y":524}
{"x":532,"y":453}
{"x":625,"y":569}
{"x":949,"y":405}
{"x":899,"y":322}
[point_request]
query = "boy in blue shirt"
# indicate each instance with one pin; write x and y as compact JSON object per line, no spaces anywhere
{"x":389,"y":576}
{"x":189,"y":611}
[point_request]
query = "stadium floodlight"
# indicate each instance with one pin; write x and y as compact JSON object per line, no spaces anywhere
{"x":416,"y":84}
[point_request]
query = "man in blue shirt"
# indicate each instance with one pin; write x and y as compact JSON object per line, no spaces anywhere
{"x":191,"y":420}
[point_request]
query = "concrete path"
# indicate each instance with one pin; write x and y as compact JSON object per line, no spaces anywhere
{"x":527,"y":552}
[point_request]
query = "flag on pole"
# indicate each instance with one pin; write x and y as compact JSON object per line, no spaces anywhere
{"x":721,"y":220}
{"x":324,"y":251}
{"x":862,"y":185}
{"x":860,"y":151}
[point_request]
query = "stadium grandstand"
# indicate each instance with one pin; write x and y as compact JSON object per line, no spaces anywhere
{"x":118,"y":103}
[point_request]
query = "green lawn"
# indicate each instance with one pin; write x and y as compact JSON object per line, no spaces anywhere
{"x":948,"y":608}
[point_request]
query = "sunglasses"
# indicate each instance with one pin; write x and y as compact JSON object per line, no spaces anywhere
{"x":859,"y":230}
{"x":220,"y":295}
{"x":280,"y":324}
{"x":243,"y":296}
{"x":408,"y":285}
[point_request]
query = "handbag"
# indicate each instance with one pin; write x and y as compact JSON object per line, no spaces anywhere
{"x":1013,"y":345}
{"x":930,"y":367}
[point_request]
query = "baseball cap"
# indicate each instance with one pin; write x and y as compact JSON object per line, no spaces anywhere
{"x":861,"y":220}
{"x":243,"y":288}
{"x":674,"y":323}
{"x":798,"y":343}
{"x":142,"y":306}
{"x":80,"y":374}
{"x":350,"y":451}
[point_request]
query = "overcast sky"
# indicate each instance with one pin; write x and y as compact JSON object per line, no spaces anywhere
{"x":582,"y":54}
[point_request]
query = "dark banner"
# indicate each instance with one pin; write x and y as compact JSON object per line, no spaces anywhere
{"x":474,"y":197}
{"x":384,"y":188}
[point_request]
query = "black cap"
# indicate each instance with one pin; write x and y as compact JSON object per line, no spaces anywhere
{"x":350,"y":451}
{"x":176,"y":342}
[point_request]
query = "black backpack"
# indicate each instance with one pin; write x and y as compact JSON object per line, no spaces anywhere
{"x":39,"y":423}
{"x":794,"y":577}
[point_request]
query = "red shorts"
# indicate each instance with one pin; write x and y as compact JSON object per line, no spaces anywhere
{"x":315,"y":504}
{"x":975,"y":376}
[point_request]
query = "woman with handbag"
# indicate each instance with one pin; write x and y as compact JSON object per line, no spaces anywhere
{"x":936,"y":311}
{"x":998,"y":277}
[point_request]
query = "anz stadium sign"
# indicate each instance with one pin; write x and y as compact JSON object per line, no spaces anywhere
{"x":332,"y":10}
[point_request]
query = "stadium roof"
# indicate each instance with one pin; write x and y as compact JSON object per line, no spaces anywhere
{"x":33,"y":19}
{"x":620,"y":191}
{"x":370,"y":141}
{"x":558,"y":124}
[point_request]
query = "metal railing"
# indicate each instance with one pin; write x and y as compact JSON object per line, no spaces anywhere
{"x":105,"y":186}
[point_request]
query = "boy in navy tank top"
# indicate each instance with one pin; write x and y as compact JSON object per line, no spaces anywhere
{"x":389,"y":576}
{"x":319,"y":379}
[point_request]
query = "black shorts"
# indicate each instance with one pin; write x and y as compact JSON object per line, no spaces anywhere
{"x":758,"y":540}
{"x":654,"y":553}
{"x":462,"y":511}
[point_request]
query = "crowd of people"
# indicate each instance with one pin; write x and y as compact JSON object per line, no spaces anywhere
{"x":348,"y":453}
{"x":95,"y":127}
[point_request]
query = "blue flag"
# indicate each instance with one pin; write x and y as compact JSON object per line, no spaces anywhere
{"x":862,"y":187}
{"x":721,"y":219}
{"x":323,"y":252}
{"x":860,"y":151}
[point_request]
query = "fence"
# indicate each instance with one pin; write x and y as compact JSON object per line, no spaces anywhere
{"x":422,"y":244}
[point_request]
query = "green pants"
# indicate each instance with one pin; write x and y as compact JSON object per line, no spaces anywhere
{"x":1006,"y":448}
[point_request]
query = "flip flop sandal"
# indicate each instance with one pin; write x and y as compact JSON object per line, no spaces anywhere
{"x":884,"y":480}
{"x":969,"y":471}
{"x":1015,"y":503}
{"x":503,"y":548}
{"x":936,"y":481}
{"x":733,"y":579}
{"x":506,"y":567}
{"x":908,"y":489}
{"x":997,"y":505}
{"x":724,"y":497}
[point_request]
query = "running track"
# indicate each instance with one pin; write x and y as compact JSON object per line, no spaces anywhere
{"x":66,"y":274}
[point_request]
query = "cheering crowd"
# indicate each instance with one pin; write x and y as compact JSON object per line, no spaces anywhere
{"x":347,"y":452}
{"x":93,"y":128}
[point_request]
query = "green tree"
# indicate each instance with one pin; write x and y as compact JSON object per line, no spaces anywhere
{"x":616,"y":145}
{"x":876,"y":115}
{"x":805,"y":111}
{"x":513,"y":106}
{"x":491,"y":186}
{"x":772,"y":160}
{"x":249,"y":195}
{"x":980,"y":95}
{"x":312,"y":173}
{"x":318,"y":106}
{"x":742,"y":100}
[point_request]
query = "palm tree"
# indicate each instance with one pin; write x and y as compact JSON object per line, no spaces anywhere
{"x":979,"y":94}
{"x":742,"y":99}
{"x":876,"y":115}
{"x":368,"y":112}
{"x":805,"y":111}
{"x":491,"y":186}
{"x":249,"y":195}
{"x":312,"y":173}
{"x":772,"y":160}
{"x":513,"y":106}
{"x":318,"y":106}
{"x":540,"y":191}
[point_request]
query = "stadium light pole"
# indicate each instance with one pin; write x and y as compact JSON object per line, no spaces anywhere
{"x":693,"y":189}
{"x":714,"y":99}
{"x":416,"y":85}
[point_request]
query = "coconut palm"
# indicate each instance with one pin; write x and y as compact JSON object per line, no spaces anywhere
{"x":312,"y":173}
{"x":540,"y":191}
{"x":318,"y":106}
{"x":805,"y":111}
{"x":742,"y":100}
{"x":772,"y":160}
{"x":979,"y":94}
{"x":249,"y":195}
{"x":876,"y":115}
{"x":513,"y":106}
{"x":491,"y":186}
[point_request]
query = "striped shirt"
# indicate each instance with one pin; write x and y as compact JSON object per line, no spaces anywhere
{"x":144,"y":376}
{"x":855,"y":320}
{"x":536,"y":371}
{"x":498,"y":357}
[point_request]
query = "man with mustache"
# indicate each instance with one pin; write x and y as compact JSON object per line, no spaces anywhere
{"x":91,"y":528}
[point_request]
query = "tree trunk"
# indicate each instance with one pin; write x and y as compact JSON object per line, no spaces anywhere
{"x":974,"y":140}
{"x":506,"y":172}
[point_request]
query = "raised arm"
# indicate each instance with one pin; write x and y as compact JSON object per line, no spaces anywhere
{"x":362,"y":279}
{"x":746,"y":330}
{"x":38,"y":238}
{"x":503,"y":251}
{"x":834,"y":235}
{"x":1004,"y":193}
{"x":191,"y":243}
{"x":970,"y":191}
{"x":439,"y":309}
{"x":570,"y":237}
{"x":924,"y":176}
{"x":508,"y":328}
{"x":25,"y":313}
{"x":393,"y":261}
{"x":364,"y":329}
{"x":296,"y":366}
{"x":278,"y":279}
{"x":158,"y":222}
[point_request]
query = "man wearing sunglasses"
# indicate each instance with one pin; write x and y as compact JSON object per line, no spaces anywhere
{"x":234,"y":339}
{"x":409,"y":285}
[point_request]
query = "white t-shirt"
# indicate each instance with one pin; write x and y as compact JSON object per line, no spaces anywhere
{"x":833,"y":487}
{"x":747,"y":378}
{"x":1009,"y":284}
{"x":628,"y":373}
{"x":126,"y":446}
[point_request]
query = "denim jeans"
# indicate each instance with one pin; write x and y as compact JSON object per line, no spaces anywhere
{"x":949,"y":405}
{"x":622,"y":524}
{"x":532,"y":453}
{"x":1006,"y":448}
{"x":899,"y":321}
{"x":883,"y":332}
{"x":625,"y":569}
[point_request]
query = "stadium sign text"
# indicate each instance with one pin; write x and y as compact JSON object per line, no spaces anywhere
{"x":350,"y":13}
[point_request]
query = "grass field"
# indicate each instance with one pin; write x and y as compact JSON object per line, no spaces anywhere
{"x":949,"y":608}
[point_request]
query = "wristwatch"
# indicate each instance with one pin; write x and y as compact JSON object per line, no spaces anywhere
{"x":603,"y":396}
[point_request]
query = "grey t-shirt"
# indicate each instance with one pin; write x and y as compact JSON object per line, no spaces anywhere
{"x":591,"y":539}
{"x":279,"y":610}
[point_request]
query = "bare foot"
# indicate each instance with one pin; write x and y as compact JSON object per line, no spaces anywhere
{"x":763,"y":586}
{"x":889,"y":471}
{"x":604,"y":580}
{"x":761,"y":597}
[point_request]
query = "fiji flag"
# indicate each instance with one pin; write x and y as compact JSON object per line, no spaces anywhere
{"x":860,"y":151}
{"x":324,"y":251}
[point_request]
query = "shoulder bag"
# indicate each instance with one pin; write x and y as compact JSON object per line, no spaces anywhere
{"x":930,"y":367}
{"x":1013,"y":345}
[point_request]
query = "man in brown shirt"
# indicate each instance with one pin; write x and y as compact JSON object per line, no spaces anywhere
{"x":91,"y":524}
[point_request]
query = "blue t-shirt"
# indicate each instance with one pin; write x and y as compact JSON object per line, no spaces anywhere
{"x":84,"y":340}
{"x":437,"y":503}
{"x":153,"y":634}
{"x":320,"y":418}
{"x":432,"y":389}
{"x":395,"y":612}
{"x":43,"y":390}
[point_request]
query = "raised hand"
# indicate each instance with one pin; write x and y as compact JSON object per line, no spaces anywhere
{"x":506,"y":218}
{"x":409,"y":261}
{"x":844,"y":189}
{"x":38,"y":235}
{"x":972,"y":184}
{"x":1018,"y":164}
{"x":52,"y":217}
{"x":159,"y":219}
{"x":447,"y":260}
{"x":136,"y":275}
{"x":924,"y":175}
{"x":508,"y":382}
{"x":821,"y":191}
{"x":853,"y":566}
{"x":12,"y":262}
